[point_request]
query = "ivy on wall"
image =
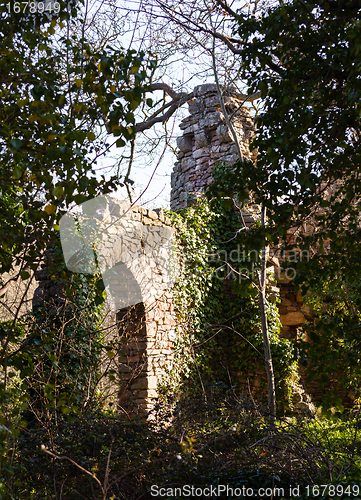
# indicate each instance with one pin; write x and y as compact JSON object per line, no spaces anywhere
{"x":330,"y":347}
{"x":52,"y":366}
{"x":57,"y":348}
{"x":217,"y":299}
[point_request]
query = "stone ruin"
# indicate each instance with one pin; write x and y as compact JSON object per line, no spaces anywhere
{"x":207,"y":142}
{"x":147,"y":328}
{"x":137,"y":254}
{"x":134,"y":250}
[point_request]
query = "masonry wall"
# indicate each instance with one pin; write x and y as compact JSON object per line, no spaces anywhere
{"x":140,"y":241}
{"x":207,"y":141}
{"x":134,"y":248}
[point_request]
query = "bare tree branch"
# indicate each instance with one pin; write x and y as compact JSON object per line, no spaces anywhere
{"x":173,"y":106}
{"x":167,"y":88}
{"x":226,"y":8}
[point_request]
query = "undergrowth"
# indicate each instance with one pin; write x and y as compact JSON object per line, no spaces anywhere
{"x":220,"y":339}
{"x":218,"y":440}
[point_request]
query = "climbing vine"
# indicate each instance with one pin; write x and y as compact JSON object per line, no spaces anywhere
{"x":52,"y":365}
{"x":57,"y":348}
{"x":330,"y":347}
{"x":66,"y":338}
{"x":216,"y":295}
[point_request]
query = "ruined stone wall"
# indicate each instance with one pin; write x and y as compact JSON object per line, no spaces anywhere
{"x":147,"y":327}
{"x":134,"y":253}
{"x":148,"y":332}
{"x":206,"y":141}
{"x":293,"y":311}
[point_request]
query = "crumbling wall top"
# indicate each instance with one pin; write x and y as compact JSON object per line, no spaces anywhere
{"x":207,"y":140}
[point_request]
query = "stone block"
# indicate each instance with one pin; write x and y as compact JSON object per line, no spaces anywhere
{"x":224,"y":135}
{"x":205,"y":88}
{"x":292,"y":318}
{"x":126,"y":395}
{"x":169,"y":320}
{"x":186,"y":164}
{"x":202,"y":139}
{"x":213,"y":101}
{"x":160,"y":214}
{"x":200,"y":153}
{"x":211,"y":121}
{"x":152,"y":382}
{"x":152,"y":214}
{"x":194,"y":106}
{"x":129,"y":359}
{"x":189,"y":130}
{"x":184,"y":143}
{"x":185,"y":122}
{"x":151,"y":393}
{"x":124,"y":368}
{"x":308,"y":311}
{"x":140,"y":383}
{"x":231,"y":158}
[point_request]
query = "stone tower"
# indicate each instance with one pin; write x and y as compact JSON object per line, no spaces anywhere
{"x":206,"y":140}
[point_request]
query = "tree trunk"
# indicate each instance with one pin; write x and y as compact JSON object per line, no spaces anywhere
{"x":262,"y":277}
{"x":266,"y":343}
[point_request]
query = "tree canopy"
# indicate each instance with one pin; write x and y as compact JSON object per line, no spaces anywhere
{"x":305,"y":58}
{"x":57,"y":91}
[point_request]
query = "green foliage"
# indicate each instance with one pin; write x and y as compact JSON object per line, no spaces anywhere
{"x":307,"y":129}
{"x":217,"y":299}
{"x":57,"y":92}
{"x":332,"y":350}
{"x":65,"y":341}
{"x":309,"y":80}
{"x":89,"y":440}
{"x":304,"y":57}
{"x":218,"y":442}
{"x":53,"y":358}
